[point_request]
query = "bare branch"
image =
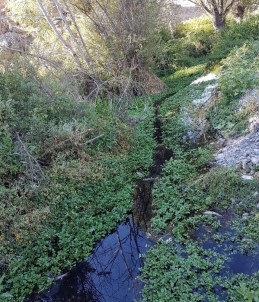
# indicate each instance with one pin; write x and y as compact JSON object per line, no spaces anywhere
{"x":32,"y":168}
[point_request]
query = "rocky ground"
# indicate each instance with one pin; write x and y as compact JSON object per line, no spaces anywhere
{"x":243,"y":152}
{"x":240,"y":152}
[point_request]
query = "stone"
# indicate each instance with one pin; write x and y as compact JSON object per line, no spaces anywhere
{"x":255,"y":160}
{"x":255,"y":194}
{"x":246,"y":167}
{"x":220,"y":156}
{"x":257,"y":206}
{"x":245,"y":216}
{"x":247,"y":177}
{"x":206,"y":78}
{"x":207,"y":95}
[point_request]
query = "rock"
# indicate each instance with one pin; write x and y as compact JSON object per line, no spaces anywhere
{"x":245,"y":216}
{"x":221,"y":143}
{"x":207,"y":95}
{"x":220,"y":156}
{"x":247,"y":177}
{"x":212,"y":213}
{"x":255,"y":160}
{"x":255,"y":194}
{"x":208,"y":77}
{"x":257,"y":206}
{"x":246,"y":167}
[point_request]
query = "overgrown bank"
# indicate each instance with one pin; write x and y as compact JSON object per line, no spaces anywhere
{"x":205,"y":213}
{"x":68,"y":171}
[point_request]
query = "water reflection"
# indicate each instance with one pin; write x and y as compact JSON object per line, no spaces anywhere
{"x":237,"y":261}
{"x":110,"y":274}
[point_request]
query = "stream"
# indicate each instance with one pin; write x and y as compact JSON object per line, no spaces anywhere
{"x":111,"y":273}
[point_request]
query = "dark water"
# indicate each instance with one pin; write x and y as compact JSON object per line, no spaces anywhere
{"x":110,"y":274}
{"x":237,"y":261}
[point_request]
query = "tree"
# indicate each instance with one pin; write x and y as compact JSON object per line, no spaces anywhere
{"x":108,"y":45}
{"x":241,"y":7}
{"x":217,"y":9}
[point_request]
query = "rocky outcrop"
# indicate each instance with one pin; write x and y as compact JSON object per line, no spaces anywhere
{"x":243,"y":152}
{"x":194,"y":116}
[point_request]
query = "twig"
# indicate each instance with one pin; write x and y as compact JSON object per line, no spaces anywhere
{"x":33,"y":169}
{"x":92,"y":139}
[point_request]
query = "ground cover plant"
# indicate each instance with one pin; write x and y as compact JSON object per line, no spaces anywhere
{"x":67,"y":160}
{"x":192,"y":260}
{"x":65,"y":166}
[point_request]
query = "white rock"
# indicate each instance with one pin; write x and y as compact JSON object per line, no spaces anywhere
{"x":255,"y":194}
{"x":247,"y":177}
{"x":220,"y":156}
{"x":255,"y":160}
{"x":212,"y":213}
{"x":206,"y":96}
{"x":210,"y":76}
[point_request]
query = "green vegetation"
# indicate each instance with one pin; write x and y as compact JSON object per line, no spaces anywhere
{"x":180,"y":268}
{"x":53,"y":213}
{"x":195,"y":42}
{"x":67,"y":159}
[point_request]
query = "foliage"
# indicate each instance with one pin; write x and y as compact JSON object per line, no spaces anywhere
{"x":190,"y":41}
{"x":180,"y":273}
{"x":217,"y":10}
{"x":234,"y":35}
{"x":239,"y":74}
{"x":188,"y":187}
{"x":90,"y":161}
{"x":106,"y":47}
{"x":194,"y":42}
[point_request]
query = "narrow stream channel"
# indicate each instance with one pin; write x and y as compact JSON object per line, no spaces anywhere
{"x":109,"y":274}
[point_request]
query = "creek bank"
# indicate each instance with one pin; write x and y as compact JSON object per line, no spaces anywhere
{"x":111,"y":272}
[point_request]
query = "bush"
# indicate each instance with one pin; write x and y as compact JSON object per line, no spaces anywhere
{"x":239,"y":74}
{"x":234,"y":35}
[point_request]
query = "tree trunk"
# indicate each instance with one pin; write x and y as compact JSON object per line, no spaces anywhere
{"x":239,"y":12}
{"x":219,"y":20}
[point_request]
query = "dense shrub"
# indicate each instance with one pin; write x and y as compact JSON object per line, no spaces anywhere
{"x":195,"y":42}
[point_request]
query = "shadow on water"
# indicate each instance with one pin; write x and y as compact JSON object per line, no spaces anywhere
{"x":111,"y":272}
